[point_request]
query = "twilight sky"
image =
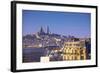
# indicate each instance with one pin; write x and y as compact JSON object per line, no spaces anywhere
{"x":64,"y":23}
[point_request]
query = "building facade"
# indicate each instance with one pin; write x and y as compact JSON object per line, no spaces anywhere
{"x":74,"y":50}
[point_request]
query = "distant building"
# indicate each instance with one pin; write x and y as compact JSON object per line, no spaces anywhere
{"x":48,"y":30}
{"x":43,"y":32}
{"x":54,"y":53}
{"x":74,"y":50}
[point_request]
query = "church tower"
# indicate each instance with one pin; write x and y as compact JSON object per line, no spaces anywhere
{"x":47,"y":30}
{"x":41,"y":30}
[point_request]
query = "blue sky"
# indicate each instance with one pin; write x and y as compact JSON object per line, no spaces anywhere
{"x":64,"y":23}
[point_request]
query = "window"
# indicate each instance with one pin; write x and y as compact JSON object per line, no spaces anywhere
{"x":70,"y":44}
{"x":82,"y":57}
{"x":75,"y":57}
{"x":81,"y":51}
{"x":75,"y":51}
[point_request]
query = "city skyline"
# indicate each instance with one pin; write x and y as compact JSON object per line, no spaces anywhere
{"x":63,"y":23}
